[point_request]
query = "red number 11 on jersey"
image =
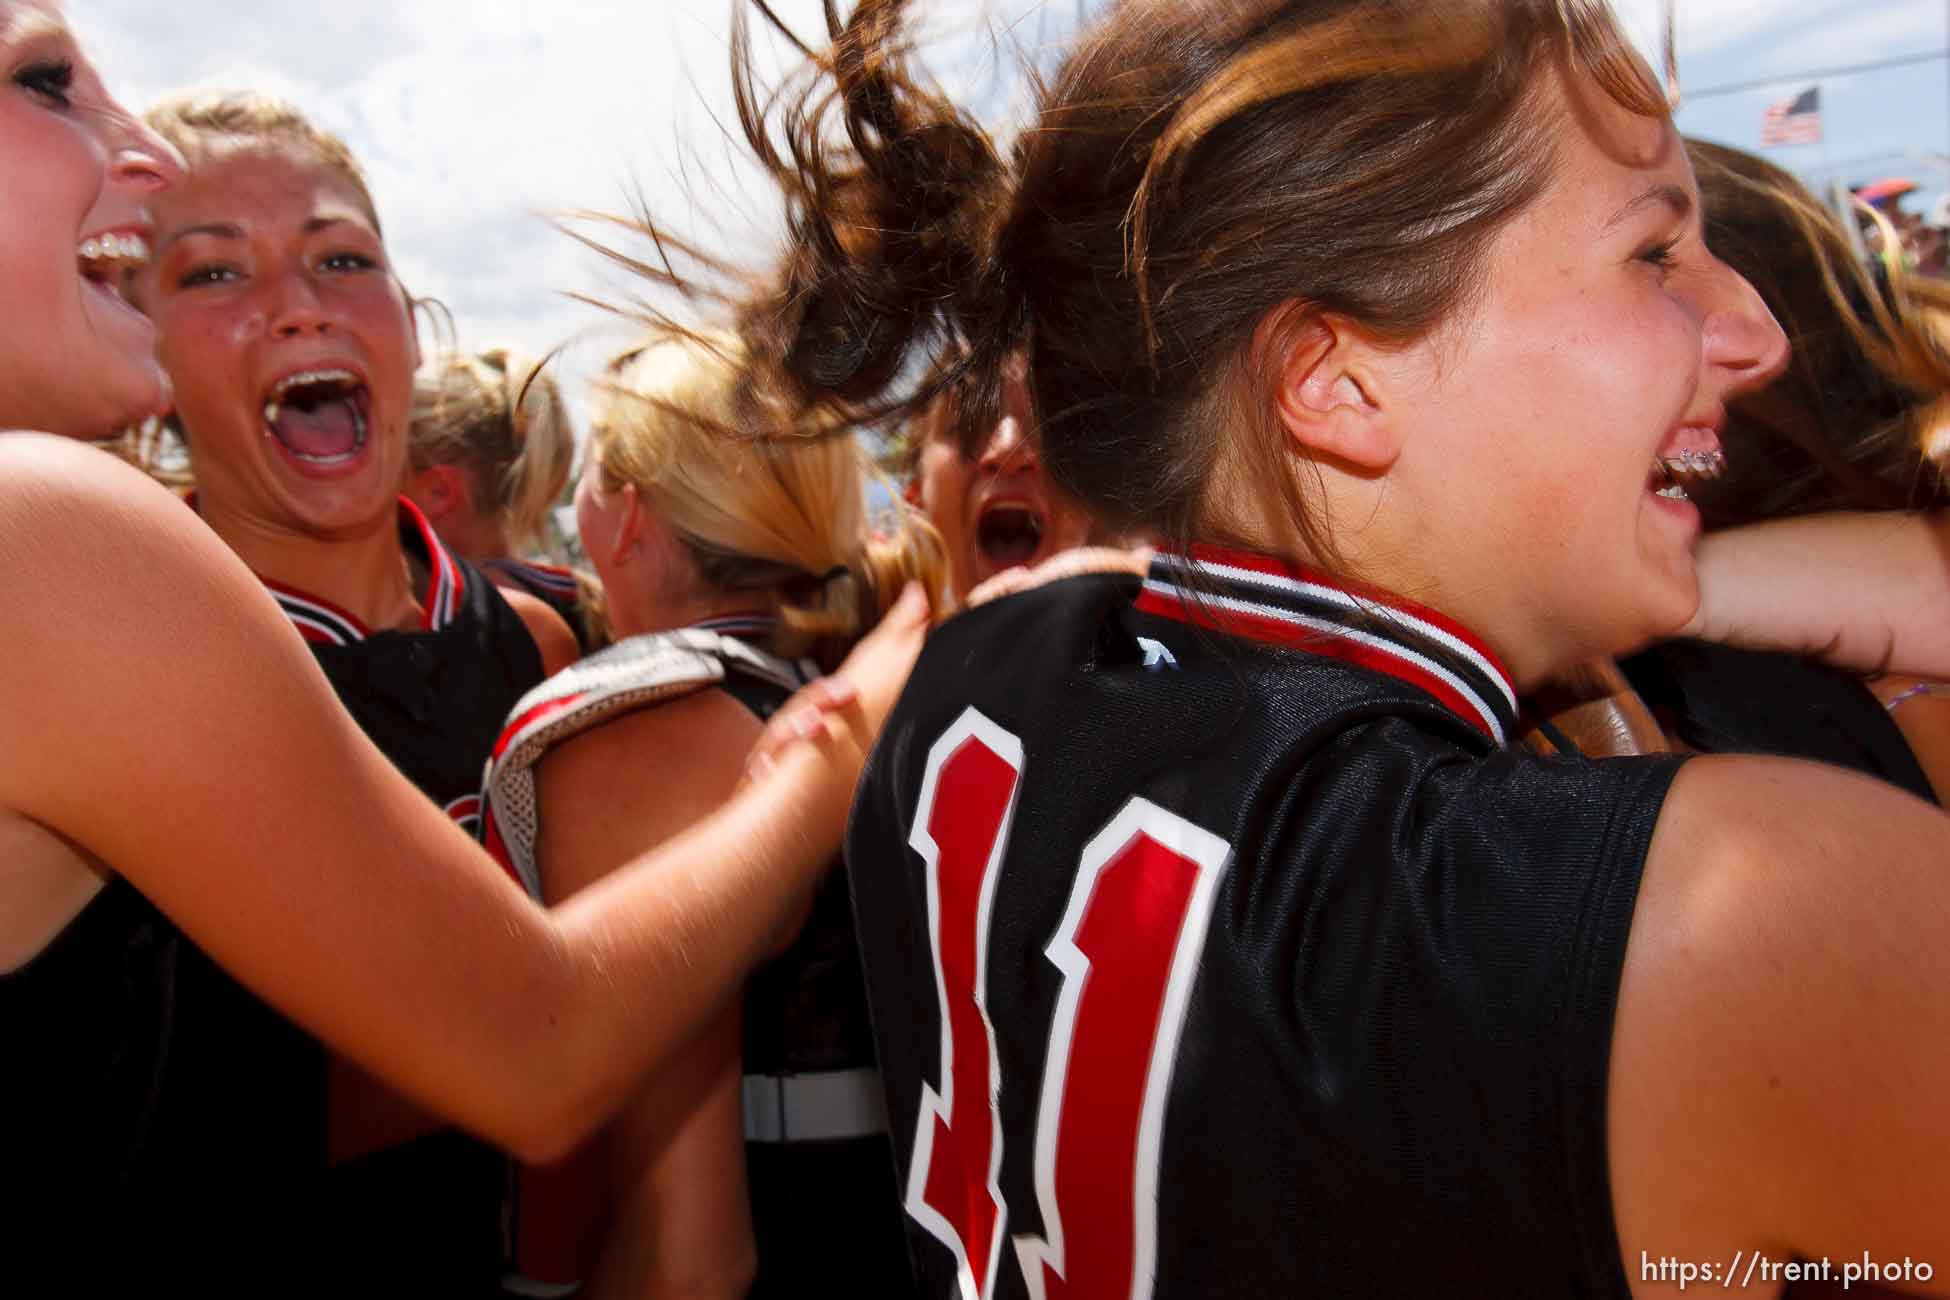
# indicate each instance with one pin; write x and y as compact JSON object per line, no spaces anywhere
{"x":1128,"y":946}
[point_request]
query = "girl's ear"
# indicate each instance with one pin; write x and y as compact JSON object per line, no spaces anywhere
{"x":439,"y":490}
{"x":1327,"y":386}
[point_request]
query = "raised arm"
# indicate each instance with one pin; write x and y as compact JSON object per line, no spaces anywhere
{"x":1866,"y":591}
{"x":1783,"y":1034}
{"x":157,"y":712}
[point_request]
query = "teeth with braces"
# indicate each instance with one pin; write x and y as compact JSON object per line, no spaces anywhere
{"x":1699,"y":464}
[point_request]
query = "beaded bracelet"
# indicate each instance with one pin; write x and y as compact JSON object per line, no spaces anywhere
{"x":1910,"y":693}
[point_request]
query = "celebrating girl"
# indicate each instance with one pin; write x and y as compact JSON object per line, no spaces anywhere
{"x":190,"y":821}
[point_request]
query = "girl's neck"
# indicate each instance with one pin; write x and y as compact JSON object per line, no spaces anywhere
{"x":474,"y":538}
{"x":364,"y":571}
{"x":641,"y":613}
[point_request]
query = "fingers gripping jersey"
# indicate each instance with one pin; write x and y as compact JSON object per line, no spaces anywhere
{"x":1241,"y":961}
{"x":629,"y":675}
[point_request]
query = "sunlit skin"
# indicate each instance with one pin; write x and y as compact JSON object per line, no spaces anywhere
{"x":269,"y":264}
{"x":79,"y":167}
{"x":1501,"y":469}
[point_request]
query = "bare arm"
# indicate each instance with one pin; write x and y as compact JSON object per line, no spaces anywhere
{"x":680,"y":1225}
{"x":1783,"y":1034}
{"x":157,"y":711}
{"x":1863,"y":591}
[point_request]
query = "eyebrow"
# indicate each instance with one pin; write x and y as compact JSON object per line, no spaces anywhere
{"x":1668,"y":194}
{"x":223,"y":230}
{"x":33,"y":27}
{"x":217,"y":231}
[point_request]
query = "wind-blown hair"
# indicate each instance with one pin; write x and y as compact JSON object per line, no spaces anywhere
{"x":1193,"y":166}
{"x":1865,"y":400}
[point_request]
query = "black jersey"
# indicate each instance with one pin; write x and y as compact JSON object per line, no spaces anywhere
{"x":1217,"y":946}
{"x":551,"y":584}
{"x":428,"y":1213}
{"x":1722,"y":700}
{"x":165,"y":1129}
{"x":432,"y":700}
{"x":820,"y":1173}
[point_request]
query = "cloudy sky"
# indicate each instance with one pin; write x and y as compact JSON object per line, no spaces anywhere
{"x":476,"y":117}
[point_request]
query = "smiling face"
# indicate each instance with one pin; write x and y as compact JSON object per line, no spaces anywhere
{"x":1546,"y":431}
{"x":994,"y":504}
{"x":288,"y":337}
{"x":79,"y":170}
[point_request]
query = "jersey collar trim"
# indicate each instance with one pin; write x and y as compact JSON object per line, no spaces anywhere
{"x":1264,"y":599}
{"x":550,"y":577}
{"x":751,"y":626}
{"x":321,"y":622}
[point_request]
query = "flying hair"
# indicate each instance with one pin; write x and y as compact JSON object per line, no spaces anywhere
{"x":1193,"y":167}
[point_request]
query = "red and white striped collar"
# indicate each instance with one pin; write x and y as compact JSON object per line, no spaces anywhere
{"x":1264,"y":599}
{"x":321,"y":622}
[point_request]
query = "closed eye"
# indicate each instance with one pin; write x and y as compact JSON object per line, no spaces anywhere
{"x":1661,"y":255}
{"x":52,"y":81}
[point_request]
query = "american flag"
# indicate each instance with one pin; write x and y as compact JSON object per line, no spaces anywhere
{"x":1793,"y":121}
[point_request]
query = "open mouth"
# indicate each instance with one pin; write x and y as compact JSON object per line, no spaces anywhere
{"x":1009,"y":535}
{"x":319,"y":416}
{"x":105,"y":261}
{"x":1672,"y":475}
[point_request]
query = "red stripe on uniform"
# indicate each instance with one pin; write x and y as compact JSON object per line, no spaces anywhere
{"x":1262,"y":628}
{"x":1372,"y":595}
{"x":523,"y":721}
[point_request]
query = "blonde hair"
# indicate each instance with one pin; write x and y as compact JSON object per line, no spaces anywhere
{"x":498,"y":415}
{"x":203,"y":122}
{"x":757,"y":512}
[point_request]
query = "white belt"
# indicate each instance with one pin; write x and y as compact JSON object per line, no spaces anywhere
{"x":822,"y":1107}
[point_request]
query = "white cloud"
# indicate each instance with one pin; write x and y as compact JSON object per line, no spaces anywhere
{"x":473,"y":118}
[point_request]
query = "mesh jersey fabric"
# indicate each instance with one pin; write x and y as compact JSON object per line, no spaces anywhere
{"x":825,"y":1214}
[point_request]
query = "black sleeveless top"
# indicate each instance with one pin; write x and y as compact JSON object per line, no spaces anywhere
{"x":1721,"y":700}
{"x":551,"y":584}
{"x":825,"y":1215}
{"x":426,"y":1214}
{"x":1218,"y":944}
{"x":165,"y":1128}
